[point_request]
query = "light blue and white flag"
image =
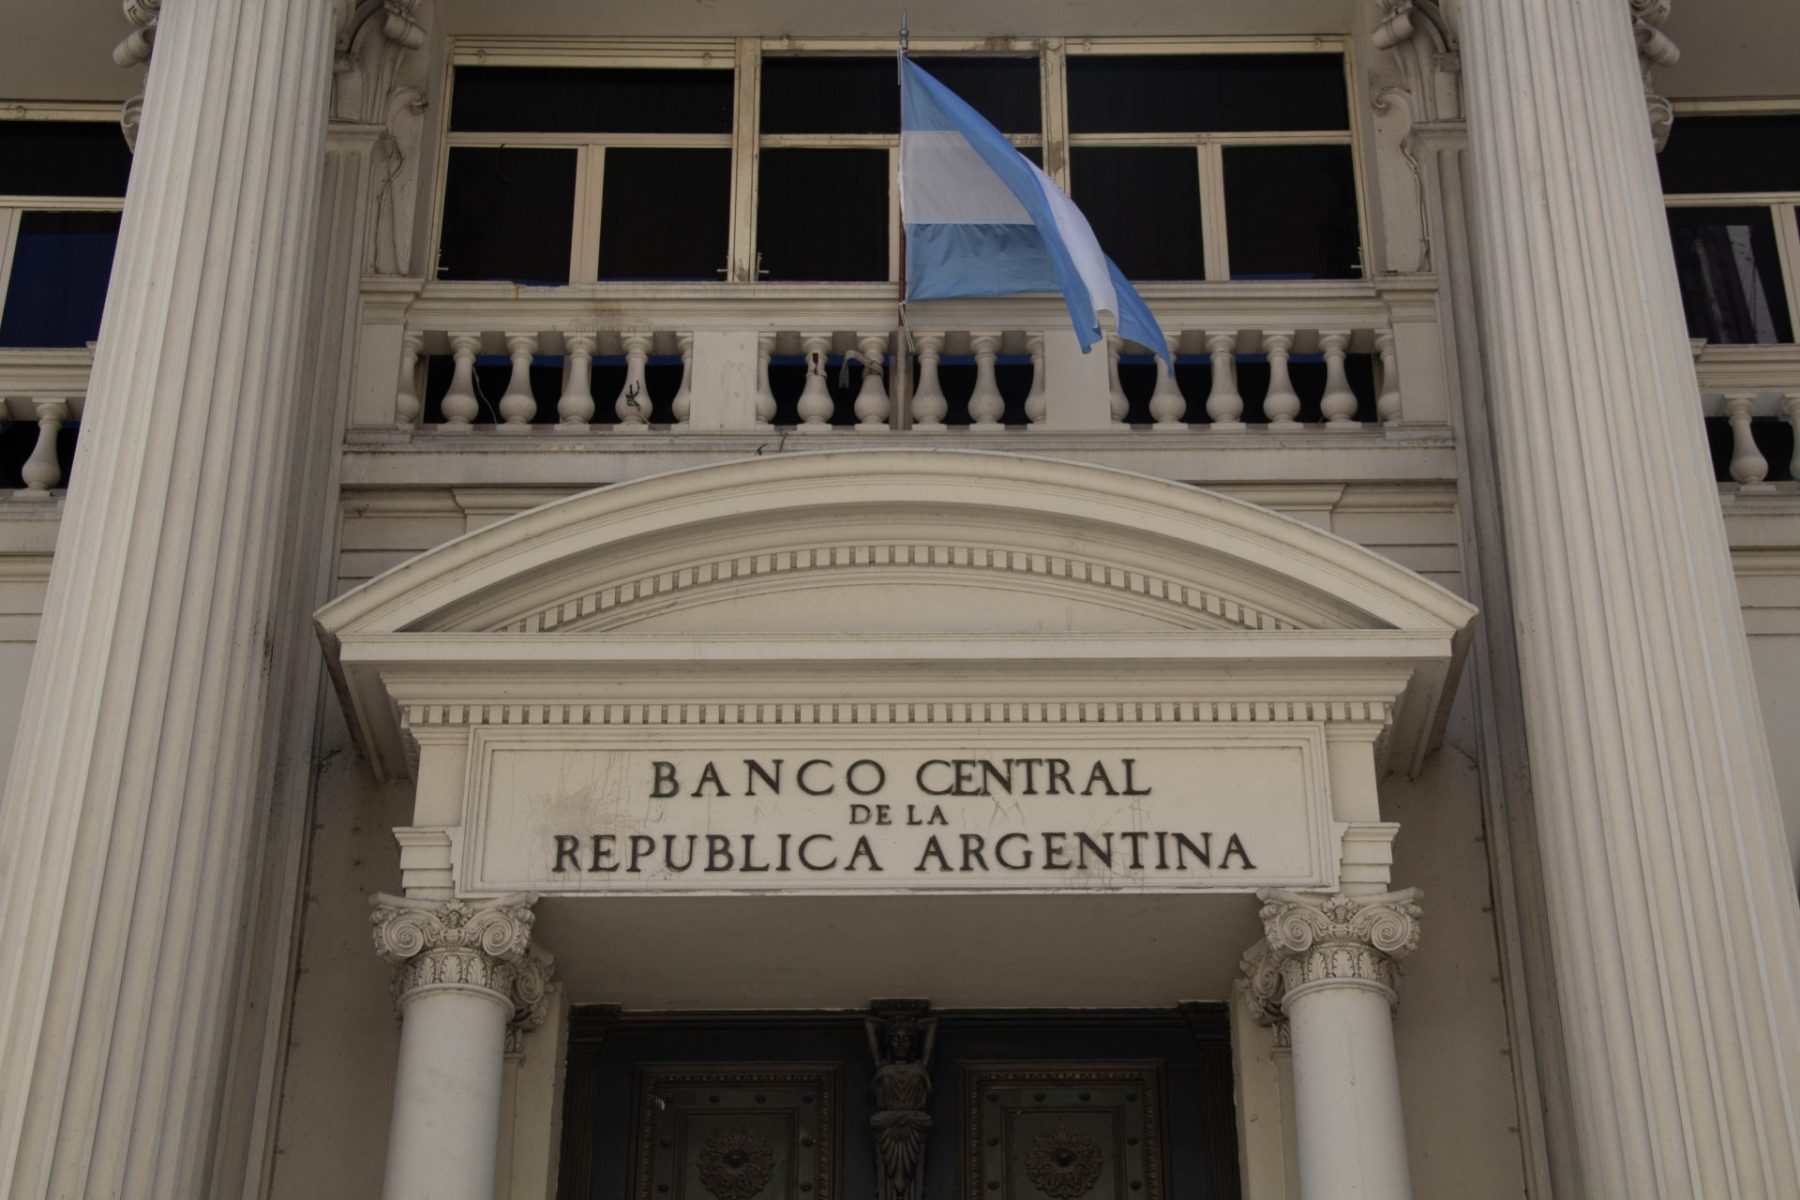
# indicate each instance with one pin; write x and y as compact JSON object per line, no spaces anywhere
{"x":982,"y":220}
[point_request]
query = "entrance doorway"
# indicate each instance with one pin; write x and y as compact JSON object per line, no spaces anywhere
{"x":1022,"y":1106}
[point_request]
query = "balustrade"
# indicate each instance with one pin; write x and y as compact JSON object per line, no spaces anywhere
{"x":1755,"y":435}
{"x":1220,"y":381}
{"x":42,"y":396}
{"x":454,"y":368}
{"x":1750,"y":398}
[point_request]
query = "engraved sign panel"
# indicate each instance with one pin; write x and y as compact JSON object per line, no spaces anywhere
{"x":1127,"y":809}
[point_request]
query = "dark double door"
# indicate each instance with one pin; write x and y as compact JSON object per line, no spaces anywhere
{"x":1024,"y":1106}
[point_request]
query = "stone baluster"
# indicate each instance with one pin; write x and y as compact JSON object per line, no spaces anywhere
{"x":460,"y":406}
{"x":1387,"y":403}
{"x":765,"y":393}
{"x":1325,"y":967}
{"x":1281,"y":405}
{"x":1748,"y":466}
{"x":43,"y":471}
{"x":1037,"y":404}
{"x":575,"y":407}
{"x":1223,"y":404}
{"x":633,"y":404}
{"x":1116,"y":403}
{"x":872,"y":403}
{"x":929,"y":408}
{"x":986,"y":405}
{"x":816,"y":406}
{"x":683,"y":402}
{"x":1790,"y":407}
{"x":407,"y":407}
{"x":465,"y":972}
{"x":1338,"y":406}
{"x":517,"y":404}
{"x":1168,"y":407}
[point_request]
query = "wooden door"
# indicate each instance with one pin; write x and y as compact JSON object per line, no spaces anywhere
{"x":1024,"y":1106}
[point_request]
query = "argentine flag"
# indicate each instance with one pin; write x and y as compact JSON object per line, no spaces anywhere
{"x":982,"y":220}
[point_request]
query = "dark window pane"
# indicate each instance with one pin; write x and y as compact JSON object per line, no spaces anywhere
{"x":590,"y":100}
{"x":1202,"y":93}
{"x":1732,"y":154}
{"x":63,"y":158}
{"x":1144,"y":205}
{"x":823,"y":214}
{"x":665,"y":214}
{"x":1291,"y":212}
{"x":1004,"y":90}
{"x":1730,"y":275}
{"x":862,"y":95}
{"x":830,"y":95}
{"x":508,"y":214}
{"x":61,"y":263}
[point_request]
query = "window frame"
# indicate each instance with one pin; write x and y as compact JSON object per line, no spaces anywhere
{"x":744,"y":56}
{"x":1210,"y":147}
{"x":13,"y":206}
{"x":1783,"y":207}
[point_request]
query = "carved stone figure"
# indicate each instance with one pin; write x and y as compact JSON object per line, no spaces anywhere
{"x":900,"y":1042}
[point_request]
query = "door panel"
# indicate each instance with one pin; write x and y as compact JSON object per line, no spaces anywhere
{"x":1062,"y":1131}
{"x":726,"y":1131}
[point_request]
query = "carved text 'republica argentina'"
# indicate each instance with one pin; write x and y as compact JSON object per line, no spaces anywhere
{"x":933,"y":797}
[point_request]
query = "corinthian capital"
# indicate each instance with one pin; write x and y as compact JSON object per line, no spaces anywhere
{"x":1654,"y":50}
{"x":1312,"y":941}
{"x":477,"y":945}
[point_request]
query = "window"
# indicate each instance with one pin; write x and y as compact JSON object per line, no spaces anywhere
{"x":1732,"y":184}
{"x":62,"y":186}
{"x":574,"y":174}
{"x":1190,"y":165}
{"x":1242,"y":163}
{"x":829,"y":151}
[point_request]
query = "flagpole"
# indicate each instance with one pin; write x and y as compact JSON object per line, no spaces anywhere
{"x":903,"y":351}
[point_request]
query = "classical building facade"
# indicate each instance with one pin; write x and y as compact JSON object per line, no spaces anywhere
{"x":528,"y":674}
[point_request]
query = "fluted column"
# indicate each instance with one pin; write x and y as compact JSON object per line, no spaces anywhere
{"x":1673,"y":921}
{"x":1325,"y":966}
{"x":465,"y":973}
{"x":128,"y":818}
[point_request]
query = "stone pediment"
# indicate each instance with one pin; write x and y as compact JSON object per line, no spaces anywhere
{"x":801,"y":570}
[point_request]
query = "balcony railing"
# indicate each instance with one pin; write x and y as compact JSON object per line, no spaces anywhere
{"x":1254,"y":360}
{"x":1750,"y":396}
{"x":42,"y":394}
{"x":611,"y":362}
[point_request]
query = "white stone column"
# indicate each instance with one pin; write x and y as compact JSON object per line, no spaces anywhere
{"x":1326,"y":966}
{"x":1673,"y":922}
{"x":127,"y":828}
{"x":464,"y":971}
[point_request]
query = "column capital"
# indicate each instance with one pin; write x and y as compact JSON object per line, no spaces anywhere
{"x":1654,"y":50}
{"x":471,"y":945}
{"x":1315,"y":941}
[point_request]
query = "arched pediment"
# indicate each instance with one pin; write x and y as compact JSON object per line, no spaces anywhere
{"x":901,"y":552}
